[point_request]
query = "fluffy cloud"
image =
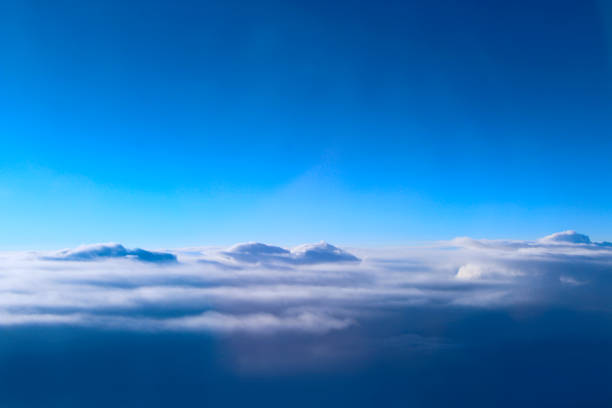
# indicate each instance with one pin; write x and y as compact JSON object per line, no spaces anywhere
{"x":254,"y":252}
{"x":315,"y":288}
{"x":111,"y":250}
{"x":566,"y":237}
{"x":321,"y":253}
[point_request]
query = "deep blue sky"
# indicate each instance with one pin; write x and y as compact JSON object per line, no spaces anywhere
{"x":183,"y":123}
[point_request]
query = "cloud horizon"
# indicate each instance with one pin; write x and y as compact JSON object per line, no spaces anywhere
{"x":258,"y":288}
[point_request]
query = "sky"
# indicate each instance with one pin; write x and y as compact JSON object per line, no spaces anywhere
{"x":166,"y":124}
{"x":305,"y":203}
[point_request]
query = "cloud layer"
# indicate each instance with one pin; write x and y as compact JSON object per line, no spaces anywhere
{"x":314,"y":288}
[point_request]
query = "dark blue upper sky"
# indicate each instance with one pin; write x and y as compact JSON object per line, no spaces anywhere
{"x":176,"y":123}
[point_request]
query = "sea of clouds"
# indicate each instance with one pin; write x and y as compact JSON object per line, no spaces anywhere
{"x":262,"y":289}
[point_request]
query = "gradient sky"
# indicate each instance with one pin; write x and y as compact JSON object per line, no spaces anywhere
{"x":157,"y":124}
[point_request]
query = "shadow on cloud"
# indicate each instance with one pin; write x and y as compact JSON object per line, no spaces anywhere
{"x":111,"y":250}
{"x":307,"y":254}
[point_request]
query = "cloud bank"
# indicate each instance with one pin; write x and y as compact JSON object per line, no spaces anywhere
{"x":315,"y":288}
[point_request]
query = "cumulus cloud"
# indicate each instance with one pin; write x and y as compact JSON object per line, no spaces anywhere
{"x":313,"y":288}
{"x":111,"y":250}
{"x":253,"y":252}
{"x":322,"y":252}
{"x":566,"y":237}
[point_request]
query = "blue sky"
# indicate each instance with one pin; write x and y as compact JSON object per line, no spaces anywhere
{"x":155,"y":124}
{"x":169,"y":169}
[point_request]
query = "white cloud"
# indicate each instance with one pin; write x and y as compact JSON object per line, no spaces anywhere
{"x":258,"y":322}
{"x":479,"y":271}
{"x":568,"y":280}
{"x":322,"y":252}
{"x":315,"y":288}
{"x":566,"y":237}
{"x":111,"y":250}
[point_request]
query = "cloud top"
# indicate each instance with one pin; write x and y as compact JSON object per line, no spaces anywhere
{"x":566,"y":237}
{"x":322,"y":252}
{"x":112,"y":250}
{"x":253,"y":252}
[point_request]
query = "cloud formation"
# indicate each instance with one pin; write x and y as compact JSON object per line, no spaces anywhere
{"x":322,"y":252}
{"x":569,"y":237}
{"x":111,"y":250}
{"x":315,"y":288}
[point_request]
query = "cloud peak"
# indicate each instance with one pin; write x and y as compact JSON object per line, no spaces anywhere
{"x":566,"y":237}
